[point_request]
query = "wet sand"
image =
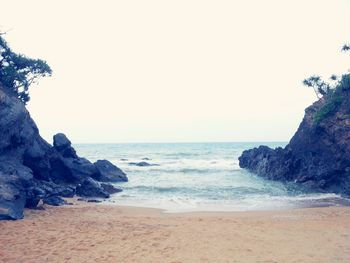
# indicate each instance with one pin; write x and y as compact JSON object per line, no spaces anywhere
{"x":103,"y":233}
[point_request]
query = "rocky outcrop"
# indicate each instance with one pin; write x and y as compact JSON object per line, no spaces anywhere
{"x":54,"y":201}
{"x":15,"y":179}
{"x":32,"y":170}
{"x":91,"y":188}
{"x":110,"y":188}
{"x":63,"y":145}
{"x":142,"y":164}
{"x":318,"y":155}
{"x":108,"y":172}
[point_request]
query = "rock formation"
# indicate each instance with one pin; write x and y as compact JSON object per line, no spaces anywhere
{"x":32,"y":170}
{"x":318,"y":155}
{"x":142,"y":164}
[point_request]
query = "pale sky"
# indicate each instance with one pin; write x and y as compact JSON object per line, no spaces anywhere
{"x":176,"y":71}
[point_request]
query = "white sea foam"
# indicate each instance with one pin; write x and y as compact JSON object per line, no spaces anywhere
{"x":199,"y":177}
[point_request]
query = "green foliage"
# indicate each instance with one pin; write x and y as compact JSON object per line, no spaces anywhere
{"x":344,"y":83}
{"x":328,"y":109}
{"x":323,"y":88}
{"x":320,"y":87}
{"x":345,"y":48}
{"x":332,"y":92}
{"x":18,"y":72}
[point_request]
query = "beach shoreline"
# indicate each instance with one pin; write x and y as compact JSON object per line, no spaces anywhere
{"x":220,"y":207}
{"x":87,"y":232}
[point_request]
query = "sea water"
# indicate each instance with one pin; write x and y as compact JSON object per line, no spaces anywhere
{"x":198,"y":177}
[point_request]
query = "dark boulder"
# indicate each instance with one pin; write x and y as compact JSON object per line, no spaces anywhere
{"x":54,"y":201}
{"x":142,"y":164}
{"x":33,"y":196}
{"x":110,"y":188}
{"x":17,"y":129}
{"x":63,"y":145}
{"x":37,"y":158}
{"x":108,"y":172}
{"x":91,"y":188}
{"x":14,"y":180}
{"x":61,"y":142}
{"x":19,"y":136}
{"x":79,"y":169}
{"x":42,"y":190}
{"x":52,"y":189}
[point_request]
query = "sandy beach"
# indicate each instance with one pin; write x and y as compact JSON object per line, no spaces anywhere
{"x":87,"y":232}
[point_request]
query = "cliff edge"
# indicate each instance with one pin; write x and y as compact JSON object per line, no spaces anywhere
{"x":318,"y":155}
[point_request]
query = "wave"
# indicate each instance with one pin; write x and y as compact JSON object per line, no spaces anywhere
{"x":193,"y":171}
{"x":211,"y":192}
{"x":177,"y":204}
{"x":199,"y":177}
{"x":145,"y":188}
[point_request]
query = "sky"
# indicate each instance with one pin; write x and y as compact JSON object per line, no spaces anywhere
{"x":176,"y":71}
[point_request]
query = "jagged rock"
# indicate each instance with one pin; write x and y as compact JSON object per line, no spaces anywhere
{"x":79,"y":169}
{"x":63,"y":145}
{"x":54,"y":201}
{"x":61,"y":142}
{"x":142,"y":164}
{"x":33,"y":196}
{"x":51,"y":189}
{"x":37,"y":158}
{"x":17,"y":130}
{"x":14,"y":180}
{"x":64,"y":191}
{"x":318,"y":155}
{"x":31,"y":169}
{"x":19,"y":136}
{"x":108,"y":172}
{"x":91,"y":188}
{"x":44,"y":190}
{"x":110,"y":188}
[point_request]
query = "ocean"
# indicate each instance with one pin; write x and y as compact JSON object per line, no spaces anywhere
{"x":188,"y":177}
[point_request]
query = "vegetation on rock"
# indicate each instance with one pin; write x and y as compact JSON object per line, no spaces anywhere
{"x":318,"y":155}
{"x":18,"y":72}
{"x":330,"y":92}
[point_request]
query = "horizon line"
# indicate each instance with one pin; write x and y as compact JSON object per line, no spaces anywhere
{"x":181,"y":142}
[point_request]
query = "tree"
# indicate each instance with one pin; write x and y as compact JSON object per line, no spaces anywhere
{"x":18,"y":72}
{"x":345,"y":48}
{"x":320,"y":87}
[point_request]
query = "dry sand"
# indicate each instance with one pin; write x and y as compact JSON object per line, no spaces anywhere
{"x":102,"y":233}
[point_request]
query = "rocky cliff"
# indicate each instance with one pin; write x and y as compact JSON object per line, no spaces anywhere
{"x":32,"y":170}
{"x":318,"y":155}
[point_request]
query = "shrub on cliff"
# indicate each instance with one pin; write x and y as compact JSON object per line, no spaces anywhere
{"x":18,"y":72}
{"x":344,"y":83}
{"x":322,"y":87}
{"x":328,"y":109}
{"x":330,"y":91}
